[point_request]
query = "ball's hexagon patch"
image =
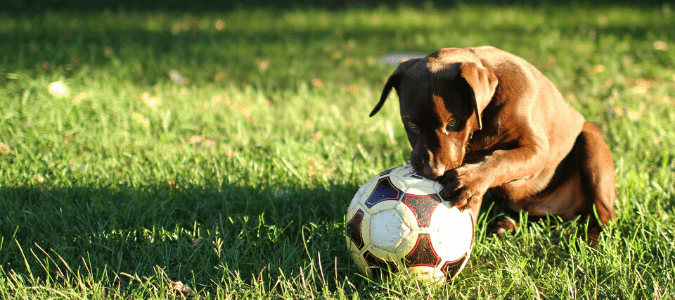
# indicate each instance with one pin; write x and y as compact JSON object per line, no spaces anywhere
{"x":387,"y":229}
{"x":422,"y":206}
{"x":383,"y":191}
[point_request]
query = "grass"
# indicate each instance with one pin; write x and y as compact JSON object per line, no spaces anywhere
{"x":233,"y":176}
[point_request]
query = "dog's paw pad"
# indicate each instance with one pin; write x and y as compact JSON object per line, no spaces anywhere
{"x":501,"y":232}
{"x":502,"y":227}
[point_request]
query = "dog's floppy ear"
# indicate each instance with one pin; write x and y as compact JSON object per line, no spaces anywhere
{"x":482,"y":84}
{"x":393,"y":82}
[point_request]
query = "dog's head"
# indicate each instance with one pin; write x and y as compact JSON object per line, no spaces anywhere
{"x":442,"y":97}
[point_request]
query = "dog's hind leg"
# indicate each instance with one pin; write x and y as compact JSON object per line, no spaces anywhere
{"x":596,"y":169}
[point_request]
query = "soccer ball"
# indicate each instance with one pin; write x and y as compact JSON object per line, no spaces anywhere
{"x":397,"y":222}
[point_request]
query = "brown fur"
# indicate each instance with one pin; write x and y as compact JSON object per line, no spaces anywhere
{"x":515,"y":135}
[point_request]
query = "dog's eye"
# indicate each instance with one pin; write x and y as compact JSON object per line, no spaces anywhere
{"x":451,"y":124}
{"x":411,"y":125}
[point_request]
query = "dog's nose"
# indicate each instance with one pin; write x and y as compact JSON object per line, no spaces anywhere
{"x":433,"y":173}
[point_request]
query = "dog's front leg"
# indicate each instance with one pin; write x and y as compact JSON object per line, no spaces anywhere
{"x":467,"y":184}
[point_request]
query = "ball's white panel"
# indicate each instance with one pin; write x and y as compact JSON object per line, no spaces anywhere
{"x":383,"y":206}
{"x":398,"y":183}
{"x":359,"y":260}
{"x":386,"y":255}
{"x":363,"y":192}
{"x":407,"y":215}
{"x":353,"y":208}
{"x":397,"y":177}
{"x":365,"y":228}
{"x":403,"y":172}
{"x":454,"y":231}
{"x":409,"y":176}
{"x":424,"y":187}
{"x":357,"y":198}
{"x":351,"y":212}
{"x":354,"y":203}
{"x":387,"y":229}
{"x":407,"y":244}
{"x":416,"y":184}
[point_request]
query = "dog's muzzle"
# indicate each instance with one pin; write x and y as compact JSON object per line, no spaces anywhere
{"x":426,"y":165}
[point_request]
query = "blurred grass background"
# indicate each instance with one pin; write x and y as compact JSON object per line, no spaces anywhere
{"x":215,"y":5}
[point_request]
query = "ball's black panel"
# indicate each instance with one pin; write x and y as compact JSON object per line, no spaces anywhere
{"x":354,"y":229}
{"x":384,"y":190}
{"x":423,"y":254}
{"x":378,"y":265}
{"x":422,"y":206}
{"x":450,"y":268}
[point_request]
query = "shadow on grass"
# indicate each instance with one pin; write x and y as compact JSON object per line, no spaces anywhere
{"x":198,"y":234}
{"x":210,"y":237}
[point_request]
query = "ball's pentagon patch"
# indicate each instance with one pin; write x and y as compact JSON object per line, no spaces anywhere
{"x":423,"y":254}
{"x":383,"y":191}
{"x":353,"y":229}
{"x":422,"y":206}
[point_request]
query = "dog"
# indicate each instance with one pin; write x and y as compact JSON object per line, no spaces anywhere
{"x":482,"y":119}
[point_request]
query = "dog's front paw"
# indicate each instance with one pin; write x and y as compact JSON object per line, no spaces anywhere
{"x":592,"y":236}
{"x":463,"y":189}
{"x":502,"y":227}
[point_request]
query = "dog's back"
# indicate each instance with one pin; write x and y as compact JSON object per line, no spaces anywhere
{"x":522,"y":89}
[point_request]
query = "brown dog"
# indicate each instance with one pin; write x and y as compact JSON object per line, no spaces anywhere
{"x":482,"y":119}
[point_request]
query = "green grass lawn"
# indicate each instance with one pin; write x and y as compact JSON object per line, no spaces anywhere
{"x":221,"y":149}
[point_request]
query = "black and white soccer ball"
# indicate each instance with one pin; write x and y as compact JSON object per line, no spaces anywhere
{"x":397,"y":222}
